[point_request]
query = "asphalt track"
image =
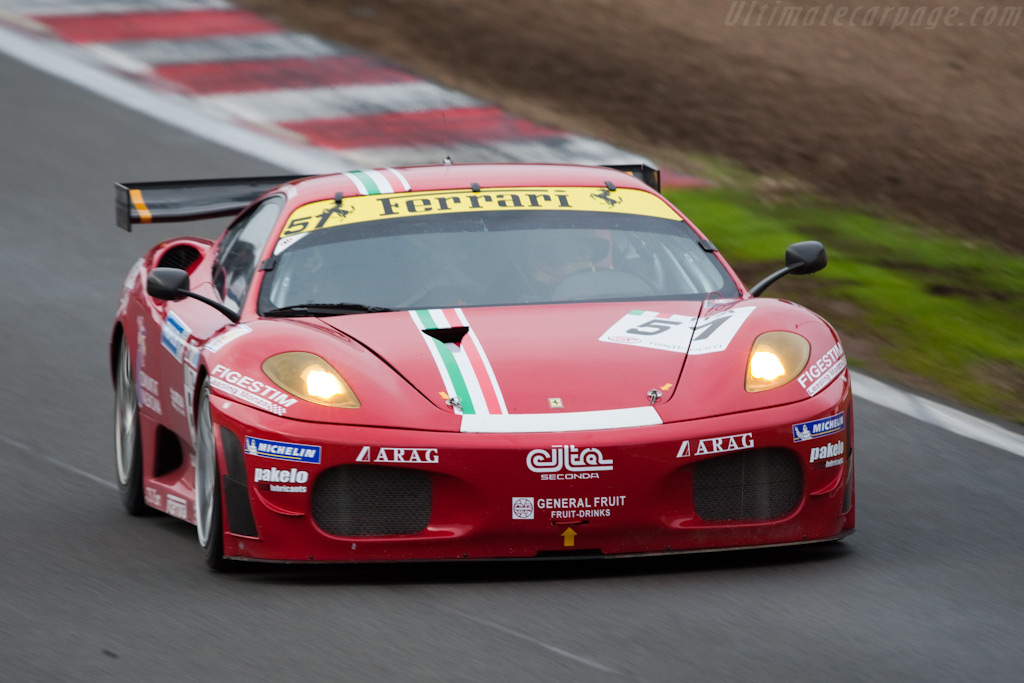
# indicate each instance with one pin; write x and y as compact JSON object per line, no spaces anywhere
{"x":928,"y":589}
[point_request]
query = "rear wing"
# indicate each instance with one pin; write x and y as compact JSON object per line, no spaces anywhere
{"x":192,"y":200}
{"x":651,"y":176}
{"x":189,"y":200}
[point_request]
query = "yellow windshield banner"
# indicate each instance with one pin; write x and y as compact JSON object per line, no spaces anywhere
{"x":331,"y":214}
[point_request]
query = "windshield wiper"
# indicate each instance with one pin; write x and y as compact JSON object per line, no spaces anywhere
{"x":316,"y":310}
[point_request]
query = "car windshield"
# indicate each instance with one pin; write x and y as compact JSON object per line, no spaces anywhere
{"x":493,"y":258}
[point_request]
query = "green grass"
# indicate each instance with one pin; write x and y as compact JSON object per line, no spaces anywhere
{"x":913,"y":304}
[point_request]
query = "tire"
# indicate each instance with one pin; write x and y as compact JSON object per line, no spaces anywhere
{"x":209,"y":516}
{"x":127,"y":436}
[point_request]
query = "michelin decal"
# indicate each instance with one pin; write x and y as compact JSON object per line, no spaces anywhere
{"x":805,"y":431}
{"x":282,"y":450}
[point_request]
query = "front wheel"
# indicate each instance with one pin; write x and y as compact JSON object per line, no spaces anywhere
{"x":209,"y":521}
{"x":127,"y":437}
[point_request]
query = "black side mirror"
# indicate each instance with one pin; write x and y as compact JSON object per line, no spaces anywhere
{"x":171,"y":284}
{"x":167,"y":284}
{"x":806,"y":257}
{"x":802,"y":258}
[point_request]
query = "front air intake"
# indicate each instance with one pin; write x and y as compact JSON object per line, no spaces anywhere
{"x":761,"y":484}
{"x":355,"y":500}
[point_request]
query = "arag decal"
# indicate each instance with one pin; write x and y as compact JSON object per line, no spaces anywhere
{"x":398,"y":455}
{"x":717,"y":444}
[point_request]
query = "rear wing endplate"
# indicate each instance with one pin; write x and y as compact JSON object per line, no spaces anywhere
{"x":189,"y":200}
{"x":649,"y":175}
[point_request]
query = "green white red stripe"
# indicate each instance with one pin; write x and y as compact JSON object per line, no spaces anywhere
{"x":465,"y":371}
{"x":495,"y":401}
{"x":383,"y":181}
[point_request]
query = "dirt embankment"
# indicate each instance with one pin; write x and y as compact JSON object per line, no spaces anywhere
{"x":927,"y":121}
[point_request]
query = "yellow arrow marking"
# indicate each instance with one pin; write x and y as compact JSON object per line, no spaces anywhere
{"x":570,"y":537}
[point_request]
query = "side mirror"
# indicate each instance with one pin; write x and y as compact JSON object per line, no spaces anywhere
{"x":171,"y":284}
{"x":167,"y":284}
{"x":806,"y":257}
{"x":802,"y":258}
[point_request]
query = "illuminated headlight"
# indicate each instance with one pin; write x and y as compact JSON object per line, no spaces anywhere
{"x":311,"y":378}
{"x":776,"y":358}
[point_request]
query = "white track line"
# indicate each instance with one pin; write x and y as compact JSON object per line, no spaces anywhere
{"x":57,"y":463}
{"x":937,"y":414}
{"x":551,"y":648}
{"x":56,"y":59}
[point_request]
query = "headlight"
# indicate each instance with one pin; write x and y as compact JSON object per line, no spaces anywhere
{"x":775,"y":359}
{"x":311,"y":378}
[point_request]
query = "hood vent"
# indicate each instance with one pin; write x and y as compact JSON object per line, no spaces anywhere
{"x":448,"y":335}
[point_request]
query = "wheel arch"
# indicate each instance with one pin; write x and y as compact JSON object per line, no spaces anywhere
{"x":115,"y":345}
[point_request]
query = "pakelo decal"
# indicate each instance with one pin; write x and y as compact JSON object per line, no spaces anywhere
{"x":281,"y":481}
{"x":829,"y":455}
{"x":710,"y":333}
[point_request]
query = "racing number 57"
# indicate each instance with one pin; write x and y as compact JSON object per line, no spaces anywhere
{"x":653,"y":327}
{"x":705,"y":327}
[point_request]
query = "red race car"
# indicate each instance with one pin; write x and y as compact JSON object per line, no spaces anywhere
{"x":469,"y":361}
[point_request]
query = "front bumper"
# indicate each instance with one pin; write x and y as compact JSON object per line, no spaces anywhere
{"x":374,"y":494}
